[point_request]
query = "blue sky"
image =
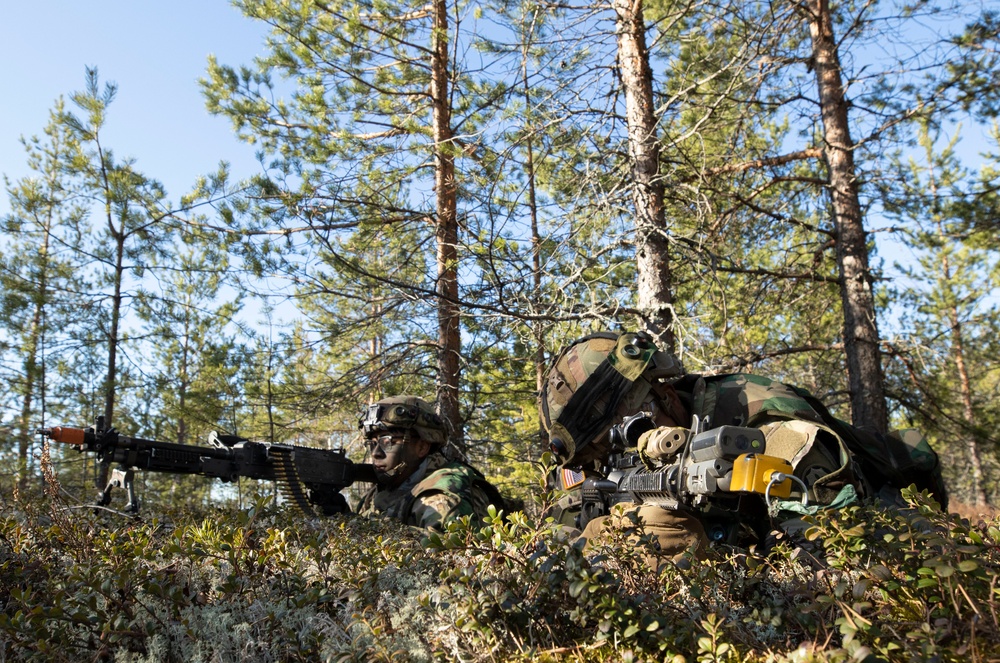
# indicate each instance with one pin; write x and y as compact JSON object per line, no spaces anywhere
{"x":154,"y":51}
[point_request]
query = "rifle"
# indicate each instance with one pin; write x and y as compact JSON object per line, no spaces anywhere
{"x":306,"y":476}
{"x":709,"y":472}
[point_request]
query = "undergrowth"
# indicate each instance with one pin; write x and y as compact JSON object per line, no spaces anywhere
{"x":862,"y":584}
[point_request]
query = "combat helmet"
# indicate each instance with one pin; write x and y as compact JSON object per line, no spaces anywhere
{"x":405,"y":412}
{"x":590,"y":381}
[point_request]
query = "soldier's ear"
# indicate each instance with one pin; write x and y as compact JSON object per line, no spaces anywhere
{"x":423,"y":447}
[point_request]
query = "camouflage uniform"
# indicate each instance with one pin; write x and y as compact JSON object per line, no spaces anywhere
{"x":598,"y":380}
{"x":438,"y":492}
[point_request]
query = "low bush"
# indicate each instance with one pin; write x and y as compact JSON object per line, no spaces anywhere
{"x":267,"y":585}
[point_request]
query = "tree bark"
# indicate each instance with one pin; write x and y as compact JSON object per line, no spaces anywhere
{"x":861,"y":338}
{"x":111,"y":381}
{"x":185,"y":380}
{"x":33,"y":373}
{"x":968,"y":413}
{"x":446,"y":230}
{"x":537,"y":327}
{"x":654,"y":280}
{"x":973,"y":441}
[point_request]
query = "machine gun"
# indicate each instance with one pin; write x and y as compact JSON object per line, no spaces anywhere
{"x":306,"y":476}
{"x":709,"y":472}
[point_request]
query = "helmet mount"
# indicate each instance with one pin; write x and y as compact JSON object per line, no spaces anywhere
{"x":405,"y":413}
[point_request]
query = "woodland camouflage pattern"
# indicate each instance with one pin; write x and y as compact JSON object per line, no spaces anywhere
{"x":745,"y":400}
{"x":437,"y":493}
{"x":793,"y":428}
{"x":919,"y":450}
{"x":618,"y":370}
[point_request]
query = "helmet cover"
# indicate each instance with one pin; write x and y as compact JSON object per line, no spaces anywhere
{"x":593,"y":379}
{"x":407,"y":413}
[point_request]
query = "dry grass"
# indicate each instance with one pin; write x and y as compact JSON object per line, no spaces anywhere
{"x":974,"y":514}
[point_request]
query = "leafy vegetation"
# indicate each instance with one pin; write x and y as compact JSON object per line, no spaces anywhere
{"x":445,"y":199}
{"x":263,"y":584}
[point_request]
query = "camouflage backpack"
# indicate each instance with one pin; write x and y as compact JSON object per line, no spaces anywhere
{"x":799,"y":427}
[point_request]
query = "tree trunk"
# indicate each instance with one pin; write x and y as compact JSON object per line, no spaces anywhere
{"x":537,"y":327}
{"x":31,"y":377}
{"x":654,"y":281}
{"x":446,"y":230}
{"x":973,"y":441}
{"x":33,"y":374}
{"x":375,"y":345}
{"x":965,"y":387}
{"x":110,"y":383}
{"x":977,"y":487}
{"x":861,"y":339}
{"x":184,"y":381}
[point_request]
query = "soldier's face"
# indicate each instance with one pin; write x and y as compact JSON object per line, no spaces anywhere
{"x":664,"y":406}
{"x":396,"y":456}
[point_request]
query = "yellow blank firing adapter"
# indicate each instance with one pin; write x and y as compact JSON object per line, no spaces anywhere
{"x":752,"y":474}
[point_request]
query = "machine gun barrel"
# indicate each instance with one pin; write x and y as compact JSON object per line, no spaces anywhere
{"x":307,"y":476}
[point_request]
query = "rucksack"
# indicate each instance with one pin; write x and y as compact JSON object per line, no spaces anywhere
{"x":885,"y":463}
{"x":897,"y":460}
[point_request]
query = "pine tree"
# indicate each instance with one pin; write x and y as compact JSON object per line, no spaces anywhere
{"x":135,"y":221}
{"x":186,"y":331}
{"x":946,"y":373}
{"x":654,"y":287}
{"x":39,"y":277}
{"x":375,"y":101}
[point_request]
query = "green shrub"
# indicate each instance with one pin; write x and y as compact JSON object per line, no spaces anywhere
{"x":267,"y":585}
